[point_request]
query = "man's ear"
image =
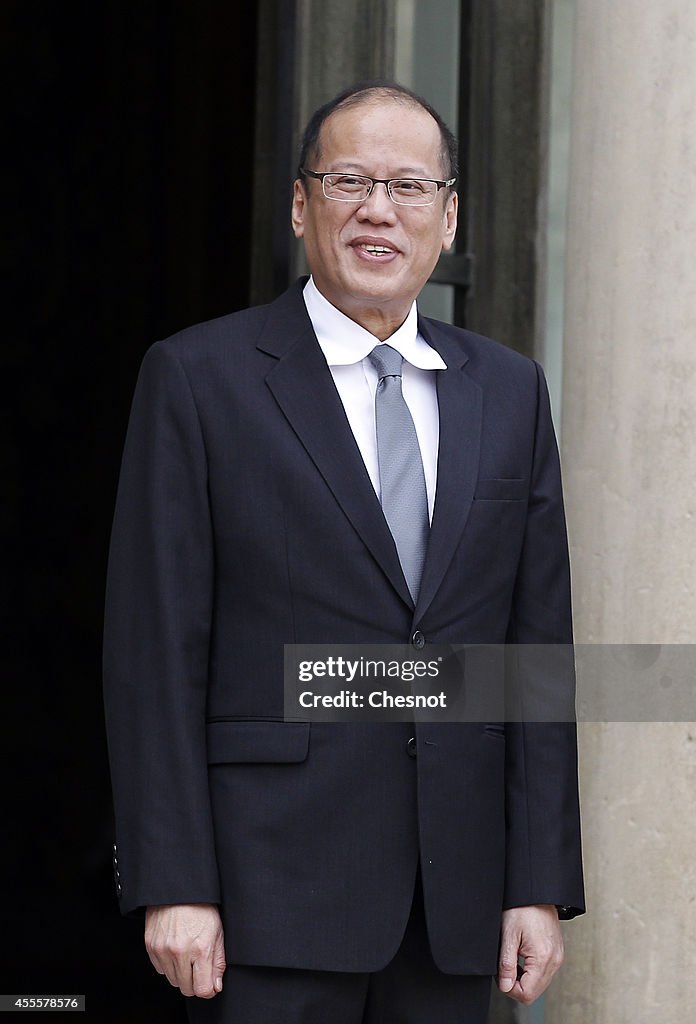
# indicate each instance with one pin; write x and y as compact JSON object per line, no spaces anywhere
{"x":299,"y":201}
{"x":450,"y":231}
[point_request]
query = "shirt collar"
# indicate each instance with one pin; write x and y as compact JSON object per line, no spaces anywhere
{"x":344,"y":342}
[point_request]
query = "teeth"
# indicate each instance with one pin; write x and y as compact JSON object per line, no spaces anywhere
{"x":377,"y":248}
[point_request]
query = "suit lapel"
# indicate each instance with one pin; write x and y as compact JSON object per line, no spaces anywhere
{"x":303,"y":387}
{"x":460,"y":407}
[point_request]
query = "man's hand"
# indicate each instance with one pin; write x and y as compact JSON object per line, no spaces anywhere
{"x":185,"y":943}
{"x":535,"y":934}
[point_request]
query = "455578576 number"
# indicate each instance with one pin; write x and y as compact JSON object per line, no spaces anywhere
{"x":43,"y":1002}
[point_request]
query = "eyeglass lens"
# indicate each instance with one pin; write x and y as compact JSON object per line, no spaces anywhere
{"x":405,"y":191}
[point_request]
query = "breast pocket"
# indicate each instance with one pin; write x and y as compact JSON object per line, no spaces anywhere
{"x":510,"y":489}
{"x":257,"y":742}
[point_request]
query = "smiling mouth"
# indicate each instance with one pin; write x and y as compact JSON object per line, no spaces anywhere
{"x":375,"y":250}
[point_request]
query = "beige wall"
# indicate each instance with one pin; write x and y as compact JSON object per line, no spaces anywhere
{"x":629,"y":455}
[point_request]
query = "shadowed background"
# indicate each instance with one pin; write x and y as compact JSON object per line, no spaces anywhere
{"x":123,"y":224}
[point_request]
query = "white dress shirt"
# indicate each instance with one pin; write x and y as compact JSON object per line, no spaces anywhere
{"x":346,"y":346}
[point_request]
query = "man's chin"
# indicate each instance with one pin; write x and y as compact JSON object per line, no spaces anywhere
{"x":378,"y":286}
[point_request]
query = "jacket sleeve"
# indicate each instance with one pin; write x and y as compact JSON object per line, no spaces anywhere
{"x":157,"y":625}
{"x":543,"y":850}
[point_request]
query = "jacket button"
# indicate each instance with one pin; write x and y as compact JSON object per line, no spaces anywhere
{"x":418,"y":640}
{"x":411,"y":747}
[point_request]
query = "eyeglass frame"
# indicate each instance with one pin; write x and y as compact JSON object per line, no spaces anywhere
{"x":320,"y":175}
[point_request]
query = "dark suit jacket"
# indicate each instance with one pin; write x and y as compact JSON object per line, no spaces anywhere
{"x":246,"y":519}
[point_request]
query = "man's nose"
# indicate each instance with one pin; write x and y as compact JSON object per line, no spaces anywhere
{"x":378,"y":206}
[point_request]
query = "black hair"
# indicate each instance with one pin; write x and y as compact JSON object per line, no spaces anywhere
{"x":360,"y":93}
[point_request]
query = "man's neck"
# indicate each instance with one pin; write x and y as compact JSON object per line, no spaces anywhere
{"x":380,"y":321}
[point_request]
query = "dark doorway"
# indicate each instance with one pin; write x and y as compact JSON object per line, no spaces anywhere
{"x":129,"y":218}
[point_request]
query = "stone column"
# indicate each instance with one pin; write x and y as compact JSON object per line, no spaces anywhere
{"x":629,"y":454}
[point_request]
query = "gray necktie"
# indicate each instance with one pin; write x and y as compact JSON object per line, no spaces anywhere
{"x":402,"y":483}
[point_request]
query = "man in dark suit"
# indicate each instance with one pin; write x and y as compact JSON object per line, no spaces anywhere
{"x":350,"y":872}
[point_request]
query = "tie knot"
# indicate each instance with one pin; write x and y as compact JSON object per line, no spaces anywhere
{"x":386,"y":360}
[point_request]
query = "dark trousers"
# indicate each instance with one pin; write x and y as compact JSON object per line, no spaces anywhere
{"x":410,"y":990}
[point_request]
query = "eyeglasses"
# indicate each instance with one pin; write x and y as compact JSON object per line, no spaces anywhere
{"x":355,"y":188}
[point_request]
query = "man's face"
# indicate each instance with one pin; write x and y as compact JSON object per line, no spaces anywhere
{"x":384,"y":139}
